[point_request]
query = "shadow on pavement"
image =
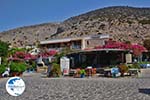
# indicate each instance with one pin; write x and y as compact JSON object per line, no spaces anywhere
{"x":145,"y":91}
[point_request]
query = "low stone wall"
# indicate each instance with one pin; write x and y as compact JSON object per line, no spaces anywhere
{"x":144,"y":73}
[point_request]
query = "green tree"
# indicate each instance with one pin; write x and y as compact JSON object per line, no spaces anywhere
{"x":17,"y":66}
{"x":3,"y":49}
{"x":2,"y":69}
{"x":14,"y":50}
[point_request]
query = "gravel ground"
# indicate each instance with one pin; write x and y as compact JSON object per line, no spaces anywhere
{"x":39,"y":88}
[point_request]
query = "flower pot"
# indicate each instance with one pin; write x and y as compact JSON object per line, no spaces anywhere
{"x":20,"y":73}
{"x":16,"y":73}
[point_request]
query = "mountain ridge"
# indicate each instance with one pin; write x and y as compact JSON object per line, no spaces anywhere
{"x":122,"y":22}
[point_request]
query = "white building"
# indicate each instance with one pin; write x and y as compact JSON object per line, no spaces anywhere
{"x":78,"y":43}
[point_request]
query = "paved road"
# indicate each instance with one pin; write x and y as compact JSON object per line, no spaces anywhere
{"x":38,"y":88}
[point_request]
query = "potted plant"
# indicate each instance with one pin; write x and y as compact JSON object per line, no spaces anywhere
{"x":123,"y":68}
{"x":82,"y":73}
{"x":17,"y":68}
{"x":77,"y":73}
{"x":56,"y":72}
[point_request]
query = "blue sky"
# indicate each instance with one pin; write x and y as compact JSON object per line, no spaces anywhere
{"x":18,"y":13}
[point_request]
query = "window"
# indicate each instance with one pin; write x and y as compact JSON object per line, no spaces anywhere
{"x":87,"y":42}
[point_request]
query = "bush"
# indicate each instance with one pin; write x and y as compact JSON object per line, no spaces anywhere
{"x":135,"y":65}
{"x":82,"y":71}
{"x":3,"y":48}
{"x":31,"y":64}
{"x":17,"y":67}
{"x":2,"y":69}
{"x":55,"y":70}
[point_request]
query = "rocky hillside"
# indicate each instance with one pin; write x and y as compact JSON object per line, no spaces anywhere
{"x":29,"y":35}
{"x":123,"y":23}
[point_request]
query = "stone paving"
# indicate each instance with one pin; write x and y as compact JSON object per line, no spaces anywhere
{"x":40,"y":88}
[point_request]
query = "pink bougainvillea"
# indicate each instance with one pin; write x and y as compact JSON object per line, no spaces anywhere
{"x":19,"y":54}
{"x":110,"y":44}
{"x":27,"y":56}
{"x":48,"y":53}
{"x":52,"y":52}
{"x":138,"y":49}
